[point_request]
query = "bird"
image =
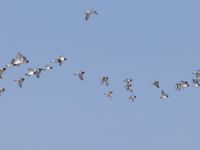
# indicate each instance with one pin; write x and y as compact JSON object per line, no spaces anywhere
{"x":20,"y":81}
{"x":104,"y":80}
{"x":163,"y":95}
{"x":47,"y":67}
{"x":109,"y":94}
{"x":197,"y":74}
{"x":38,"y":71}
{"x":2,"y":90}
{"x":60,"y":60}
{"x":30,"y":72}
{"x":132,"y":98}
{"x":156,"y":84}
{"x":18,"y":60}
{"x":195,"y":83}
{"x":2,"y":69}
{"x":128,"y":80}
{"x":178,"y":86}
{"x":89,"y":12}
{"x":185,"y":84}
{"x":181,"y":85}
{"x":129,"y":87}
{"x":80,"y":75}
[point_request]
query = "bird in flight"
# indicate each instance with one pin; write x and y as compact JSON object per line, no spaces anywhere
{"x":2,"y":72}
{"x":163,"y":95}
{"x":132,"y":98}
{"x":18,"y":60}
{"x":156,"y":84}
{"x":2,"y":90}
{"x":60,"y":60}
{"x":80,"y":75}
{"x":109,"y":94}
{"x":104,"y":80}
{"x":20,"y":81}
{"x":90,"y":12}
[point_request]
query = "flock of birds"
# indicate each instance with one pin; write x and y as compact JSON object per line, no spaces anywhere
{"x":128,"y":83}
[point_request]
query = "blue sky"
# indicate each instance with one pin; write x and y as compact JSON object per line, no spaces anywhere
{"x":145,"y":39}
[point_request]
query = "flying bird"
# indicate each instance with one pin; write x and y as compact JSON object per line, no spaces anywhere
{"x":2,"y":72}
{"x":18,"y":60}
{"x":185,"y":84}
{"x":129,"y":87}
{"x":60,"y":60}
{"x":179,"y":86}
{"x":80,"y":75}
{"x":132,"y":98}
{"x":2,"y":90}
{"x":128,"y":81}
{"x":20,"y":81}
{"x":30,"y":72}
{"x":109,"y":94}
{"x":47,"y":67}
{"x":197,"y":74}
{"x":38,"y":71}
{"x":88,"y":13}
{"x":195,"y":83}
{"x":163,"y":95}
{"x":156,"y":84}
{"x":104,"y":80}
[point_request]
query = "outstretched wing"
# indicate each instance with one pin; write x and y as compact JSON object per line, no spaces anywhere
{"x":87,"y":16}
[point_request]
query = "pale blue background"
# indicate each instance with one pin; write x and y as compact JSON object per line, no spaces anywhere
{"x":143,"y":39}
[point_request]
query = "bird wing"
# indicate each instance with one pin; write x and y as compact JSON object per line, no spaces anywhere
{"x":20,"y":83}
{"x":87,"y":16}
{"x":80,"y":76}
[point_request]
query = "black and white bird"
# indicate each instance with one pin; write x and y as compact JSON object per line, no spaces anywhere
{"x":163,"y":95}
{"x":129,"y":87}
{"x":60,"y":60}
{"x":2,"y":70}
{"x":104,"y":80}
{"x":2,"y":90}
{"x":47,"y":67}
{"x":197,"y":74}
{"x":38,"y":71}
{"x":109,"y":94}
{"x":156,"y":84}
{"x":18,"y":60}
{"x":90,"y":12}
{"x":80,"y":75}
{"x":30,"y":72}
{"x":185,"y":84}
{"x":20,"y":81}
{"x":132,"y":98}
{"x":179,"y":86}
{"x":195,"y":83}
{"x":128,"y":81}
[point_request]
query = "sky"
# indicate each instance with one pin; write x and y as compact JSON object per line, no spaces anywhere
{"x":145,"y":40}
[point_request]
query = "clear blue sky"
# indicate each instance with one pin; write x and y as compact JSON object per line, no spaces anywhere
{"x":143,"y":39}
